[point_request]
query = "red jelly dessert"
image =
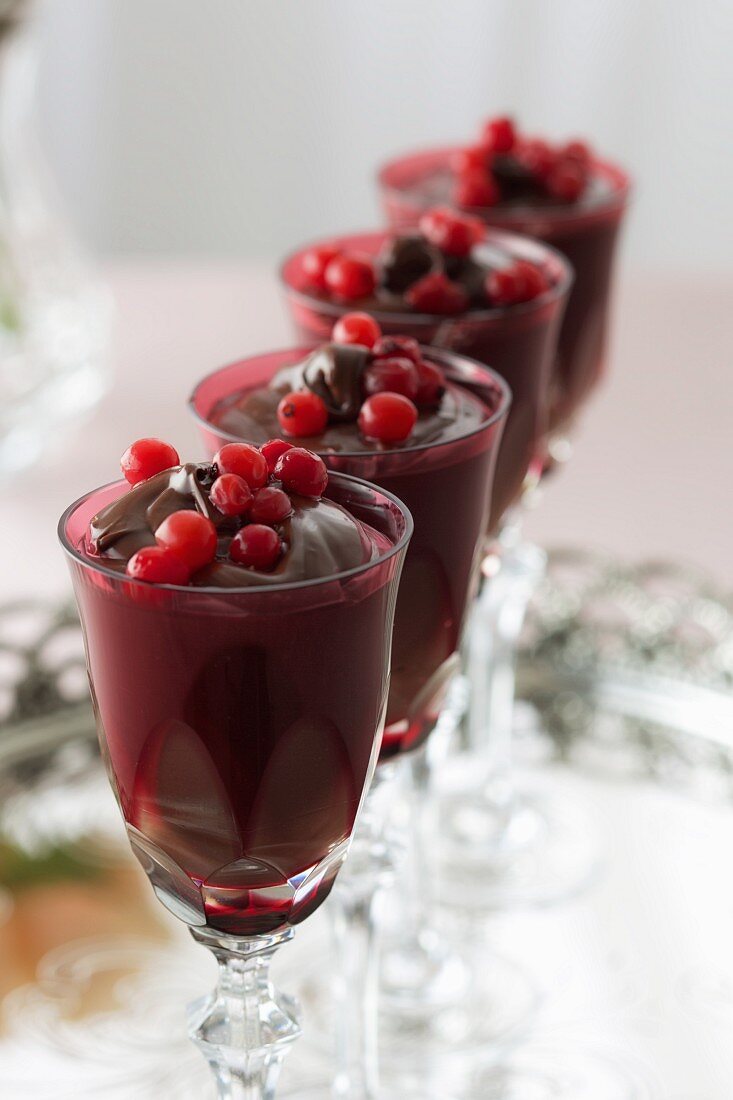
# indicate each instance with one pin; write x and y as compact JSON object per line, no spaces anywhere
{"x":493,"y":296}
{"x":239,"y":685}
{"x":432,"y":440}
{"x":561,"y":193}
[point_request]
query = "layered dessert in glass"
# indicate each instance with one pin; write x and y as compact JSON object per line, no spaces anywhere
{"x":561,"y":193}
{"x":450,"y":284}
{"x":237,"y":620}
{"x":434,"y":443}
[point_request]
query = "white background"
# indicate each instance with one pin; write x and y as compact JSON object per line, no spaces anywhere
{"x":239,"y":127}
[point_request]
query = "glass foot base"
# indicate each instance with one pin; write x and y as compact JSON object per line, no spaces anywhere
{"x":558,"y":1077}
{"x":471,"y":1003}
{"x":540,"y":853}
{"x":493,"y":1004}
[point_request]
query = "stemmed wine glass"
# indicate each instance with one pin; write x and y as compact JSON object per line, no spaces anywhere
{"x":520,"y":344}
{"x":240,"y":728}
{"x":448,"y":486}
{"x":504,"y":844}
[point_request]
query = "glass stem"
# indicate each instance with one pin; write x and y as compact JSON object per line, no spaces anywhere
{"x":417,"y":872}
{"x":355,"y":927}
{"x":244,"y":1029}
{"x":496,"y":627}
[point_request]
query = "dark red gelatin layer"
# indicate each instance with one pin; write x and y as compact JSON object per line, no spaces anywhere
{"x":239,"y":726}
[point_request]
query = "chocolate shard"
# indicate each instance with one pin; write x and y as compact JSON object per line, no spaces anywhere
{"x":334,"y":372}
{"x":515,"y":180}
{"x":407,"y":258}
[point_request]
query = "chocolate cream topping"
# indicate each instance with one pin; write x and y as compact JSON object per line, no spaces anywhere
{"x":334,"y":372}
{"x":319,"y":538}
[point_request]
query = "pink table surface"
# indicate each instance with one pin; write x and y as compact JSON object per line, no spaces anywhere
{"x":651,"y":461}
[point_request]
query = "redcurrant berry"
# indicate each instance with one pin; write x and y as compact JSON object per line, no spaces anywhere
{"x":231,"y":494}
{"x":255,"y":546}
{"x":454,"y":234}
{"x":356,"y":328}
{"x":404,"y":347}
{"x":387,"y":417}
{"x":270,"y":505}
{"x":146,"y":457}
{"x":521,"y":282}
{"x":499,"y":135}
{"x":189,"y":535}
{"x":477,"y":189}
{"x":472,"y":158}
{"x":158,"y":565}
{"x":431,"y":384}
{"x":244,"y":460}
{"x":313,"y":264}
{"x":392,"y":375}
{"x":437,"y":294}
{"x":272,"y":451}
{"x":302,"y":414}
{"x":302,"y":472}
{"x":566,"y":182}
{"x":350,"y":276}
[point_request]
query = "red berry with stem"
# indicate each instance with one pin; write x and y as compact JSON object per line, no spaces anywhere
{"x":477,"y":189}
{"x":392,"y":375}
{"x":256,"y":546}
{"x":567,"y":180}
{"x":510,"y":286}
{"x":387,"y":417}
{"x":472,"y":158}
{"x":350,"y":276}
{"x":437,"y":294}
{"x":231,"y":494}
{"x":356,"y":328}
{"x":313,"y":264}
{"x":272,"y":450}
{"x":454,"y":234}
{"x":302,"y":413}
{"x":404,"y":347}
{"x":146,"y":457}
{"x":270,"y":505}
{"x":431,"y":384}
{"x":302,"y":472}
{"x":499,"y":135}
{"x":244,"y":460}
{"x":158,"y":565}
{"x":189,"y":535}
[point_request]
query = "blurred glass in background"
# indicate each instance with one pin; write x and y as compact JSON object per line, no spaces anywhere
{"x":54,"y":316}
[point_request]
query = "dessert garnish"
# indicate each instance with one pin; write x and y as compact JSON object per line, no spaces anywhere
{"x":253,"y":513}
{"x":436,"y":269}
{"x":378,"y":382}
{"x":506,"y":166}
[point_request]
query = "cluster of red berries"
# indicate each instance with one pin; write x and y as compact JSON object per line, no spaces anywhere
{"x":396,"y":383}
{"x":251,"y":485}
{"x":454,"y":235}
{"x":559,"y":171}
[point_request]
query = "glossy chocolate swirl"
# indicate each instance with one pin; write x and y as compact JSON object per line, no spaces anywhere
{"x":319,"y":538}
{"x":334,"y":372}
